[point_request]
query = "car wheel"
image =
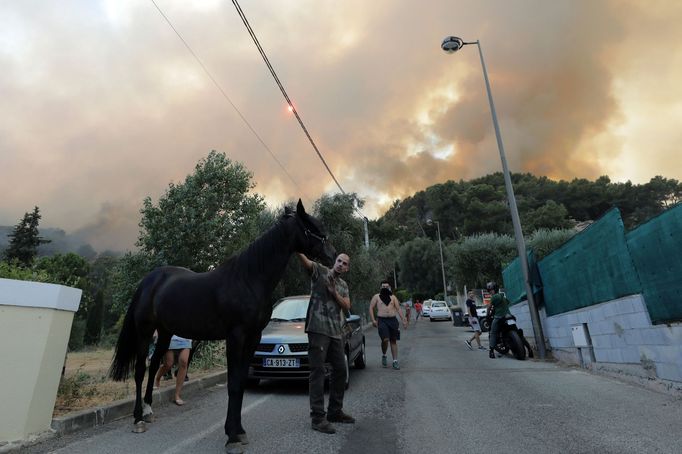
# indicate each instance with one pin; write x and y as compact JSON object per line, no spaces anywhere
{"x":431,"y":318}
{"x":361,"y":360}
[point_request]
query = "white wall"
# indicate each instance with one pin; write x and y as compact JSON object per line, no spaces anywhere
{"x":623,"y":338}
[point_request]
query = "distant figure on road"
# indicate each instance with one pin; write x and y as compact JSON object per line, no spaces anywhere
{"x":178,"y":352}
{"x":417,"y":310}
{"x":324,"y":325}
{"x":388,"y":308}
{"x":408,"y":310}
{"x":473,"y":322}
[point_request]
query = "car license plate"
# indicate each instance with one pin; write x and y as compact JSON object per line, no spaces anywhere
{"x":281,"y":362}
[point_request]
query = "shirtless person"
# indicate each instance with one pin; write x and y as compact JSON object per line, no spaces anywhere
{"x":387,"y":308}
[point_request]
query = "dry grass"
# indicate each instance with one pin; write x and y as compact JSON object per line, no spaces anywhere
{"x":85,"y":383}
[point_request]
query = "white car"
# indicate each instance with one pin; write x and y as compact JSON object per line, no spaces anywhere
{"x":440,"y":311}
{"x":426,"y":308}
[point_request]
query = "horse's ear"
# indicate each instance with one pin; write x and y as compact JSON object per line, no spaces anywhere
{"x":299,"y":208}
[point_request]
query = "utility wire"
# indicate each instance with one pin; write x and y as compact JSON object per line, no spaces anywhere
{"x":286,"y":96}
{"x":210,"y":76}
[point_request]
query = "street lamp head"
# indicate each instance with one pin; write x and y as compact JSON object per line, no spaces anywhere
{"x":452,"y":44}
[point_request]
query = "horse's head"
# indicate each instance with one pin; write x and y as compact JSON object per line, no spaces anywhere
{"x":311,"y":236}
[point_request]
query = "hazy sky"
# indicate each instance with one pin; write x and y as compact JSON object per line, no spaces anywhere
{"x":102,"y":104}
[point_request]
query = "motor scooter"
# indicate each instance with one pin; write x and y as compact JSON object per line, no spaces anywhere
{"x":510,"y":338}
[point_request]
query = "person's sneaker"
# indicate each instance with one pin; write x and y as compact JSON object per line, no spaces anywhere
{"x":396,"y":366}
{"x":322,"y":425}
{"x":469,"y":344}
{"x":481,"y":347}
{"x":491,"y":354}
{"x":340,"y":417}
{"x":384,"y":363}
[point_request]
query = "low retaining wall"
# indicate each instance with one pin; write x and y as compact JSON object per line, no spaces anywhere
{"x":623,"y":340}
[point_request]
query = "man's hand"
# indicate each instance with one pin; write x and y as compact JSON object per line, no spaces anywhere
{"x":374,"y":323}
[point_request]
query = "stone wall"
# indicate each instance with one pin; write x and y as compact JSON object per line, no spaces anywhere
{"x":623,"y":339}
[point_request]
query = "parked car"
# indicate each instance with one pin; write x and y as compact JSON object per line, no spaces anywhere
{"x":440,"y":310}
{"x":283,"y":349}
{"x":426,"y":308}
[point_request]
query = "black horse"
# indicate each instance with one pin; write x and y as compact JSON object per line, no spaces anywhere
{"x":231,"y":302}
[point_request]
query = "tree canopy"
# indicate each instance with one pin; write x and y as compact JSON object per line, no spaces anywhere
{"x":201,"y":222}
{"x":24,"y":239}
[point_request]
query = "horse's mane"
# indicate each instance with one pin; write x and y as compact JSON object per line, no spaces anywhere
{"x":256,"y":256}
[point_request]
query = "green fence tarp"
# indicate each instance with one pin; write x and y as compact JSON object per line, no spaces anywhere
{"x":656,"y":250}
{"x":514,"y":286}
{"x":592,"y":267}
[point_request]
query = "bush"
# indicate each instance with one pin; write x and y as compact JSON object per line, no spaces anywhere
{"x":14,"y":271}
{"x":544,"y":241}
{"x":209,"y":355}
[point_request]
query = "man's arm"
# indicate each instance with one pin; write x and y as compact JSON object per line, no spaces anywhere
{"x":396,"y":303}
{"x":306,"y":262}
{"x":343,"y":301}
{"x":372,"y":305}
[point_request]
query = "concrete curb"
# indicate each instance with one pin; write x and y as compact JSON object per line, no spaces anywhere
{"x":97,"y":416}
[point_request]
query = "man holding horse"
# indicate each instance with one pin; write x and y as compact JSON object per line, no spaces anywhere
{"x":324,"y":324}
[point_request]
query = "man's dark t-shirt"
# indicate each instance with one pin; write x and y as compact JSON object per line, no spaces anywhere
{"x":472,"y":307}
{"x":501,"y":305}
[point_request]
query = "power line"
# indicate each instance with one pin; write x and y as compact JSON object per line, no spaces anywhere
{"x":286,"y":96}
{"x":210,"y":76}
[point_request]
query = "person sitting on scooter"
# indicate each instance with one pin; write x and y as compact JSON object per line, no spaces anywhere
{"x":500,"y":306}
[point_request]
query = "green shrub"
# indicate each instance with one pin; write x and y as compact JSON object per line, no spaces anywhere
{"x":209,"y":354}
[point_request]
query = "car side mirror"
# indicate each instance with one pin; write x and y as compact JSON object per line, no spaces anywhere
{"x":352,"y":318}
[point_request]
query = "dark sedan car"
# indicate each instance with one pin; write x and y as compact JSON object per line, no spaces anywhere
{"x":283,"y":349}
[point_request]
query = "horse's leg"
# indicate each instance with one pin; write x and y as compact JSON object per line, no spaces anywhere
{"x":162,"y":343}
{"x":140,"y":368}
{"x":235,"y":390}
{"x":249,"y":349}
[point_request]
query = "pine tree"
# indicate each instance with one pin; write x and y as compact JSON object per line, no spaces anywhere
{"x":24,"y":240}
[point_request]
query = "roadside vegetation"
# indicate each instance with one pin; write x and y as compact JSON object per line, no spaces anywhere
{"x":215,"y":212}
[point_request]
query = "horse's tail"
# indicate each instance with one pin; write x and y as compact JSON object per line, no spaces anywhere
{"x":126,"y":346}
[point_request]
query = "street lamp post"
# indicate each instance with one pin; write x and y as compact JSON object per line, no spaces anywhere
{"x":453,"y":44}
{"x":442,"y":265}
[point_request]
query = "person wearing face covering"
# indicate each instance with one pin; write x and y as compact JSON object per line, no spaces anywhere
{"x":387,"y":308}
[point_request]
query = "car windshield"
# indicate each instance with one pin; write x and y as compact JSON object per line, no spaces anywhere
{"x":438,"y":305}
{"x":290,"y":310}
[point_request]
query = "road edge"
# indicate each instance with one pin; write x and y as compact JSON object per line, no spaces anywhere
{"x":104,"y":414}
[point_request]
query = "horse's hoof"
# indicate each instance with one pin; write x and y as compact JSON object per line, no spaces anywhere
{"x":243,"y":439}
{"x":234,"y":448}
{"x":139,"y":427}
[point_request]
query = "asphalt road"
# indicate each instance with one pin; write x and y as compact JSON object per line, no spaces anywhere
{"x":445,"y":399}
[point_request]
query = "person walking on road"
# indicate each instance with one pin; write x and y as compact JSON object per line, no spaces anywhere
{"x":177,"y":353}
{"x":500,"y":307}
{"x":473,"y":322}
{"x":324,"y":324}
{"x":387,"y":307}
{"x":417,"y":310}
